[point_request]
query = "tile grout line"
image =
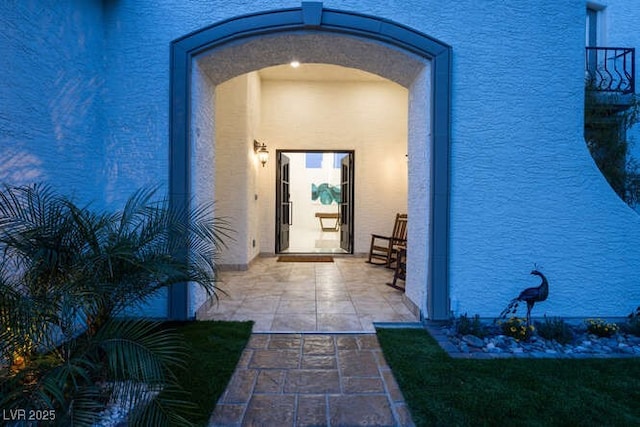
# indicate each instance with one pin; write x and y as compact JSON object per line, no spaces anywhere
{"x":300,"y":360}
{"x":315,"y":288}
{"x":253,"y":385}
{"x":336,"y":354}
{"x":245,"y":405}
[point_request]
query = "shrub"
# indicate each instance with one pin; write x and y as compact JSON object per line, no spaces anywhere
{"x":67,"y":273}
{"x":555,"y":329}
{"x":471,"y":326}
{"x":517,"y":328}
{"x":605,"y":130}
{"x":632,"y":326}
{"x":601,"y":328}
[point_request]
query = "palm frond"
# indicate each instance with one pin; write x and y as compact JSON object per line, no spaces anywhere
{"x":67,"y":270}
{"x":167,"y":408}
{"x":138,"y":350}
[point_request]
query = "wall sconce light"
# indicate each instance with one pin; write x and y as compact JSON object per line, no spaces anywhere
{"x":261,"y":151}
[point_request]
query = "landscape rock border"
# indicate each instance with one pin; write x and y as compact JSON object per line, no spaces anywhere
{"x":496,"y":346}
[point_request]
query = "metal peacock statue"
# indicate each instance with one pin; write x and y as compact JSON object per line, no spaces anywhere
{"x":530,"y":296}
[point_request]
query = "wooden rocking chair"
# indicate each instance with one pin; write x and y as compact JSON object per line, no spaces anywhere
{"x":384,"y":249}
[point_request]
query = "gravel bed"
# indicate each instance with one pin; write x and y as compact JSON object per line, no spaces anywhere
{"x":117,"y":411}
{"x":583,"y":345}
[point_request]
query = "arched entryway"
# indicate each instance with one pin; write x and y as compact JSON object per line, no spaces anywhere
{"x":414,"y":60}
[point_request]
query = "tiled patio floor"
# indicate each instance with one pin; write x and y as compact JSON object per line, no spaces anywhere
{"x":347,"y":295}
{"x":312,"y":380}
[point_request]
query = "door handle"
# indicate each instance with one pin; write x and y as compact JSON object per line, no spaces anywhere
{"x":290,"y":212}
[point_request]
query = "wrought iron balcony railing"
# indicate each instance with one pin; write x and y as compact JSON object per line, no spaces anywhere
{"x":611,"y":69}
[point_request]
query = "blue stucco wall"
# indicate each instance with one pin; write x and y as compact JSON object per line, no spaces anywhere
{"x":52,"y":83}
{"x":86,"y":106}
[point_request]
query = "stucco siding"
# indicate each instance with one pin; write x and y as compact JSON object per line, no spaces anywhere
{"x":524,"y":188}
{"x":85,"y":105}
{"x":202,"y":156}
{"x":50,"y":97}
{"x":420,"y":220}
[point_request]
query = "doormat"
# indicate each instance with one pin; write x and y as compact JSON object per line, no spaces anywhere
{"x":305,"y":258}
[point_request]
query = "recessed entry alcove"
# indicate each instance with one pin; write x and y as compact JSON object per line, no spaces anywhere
{"x":212,"y":144}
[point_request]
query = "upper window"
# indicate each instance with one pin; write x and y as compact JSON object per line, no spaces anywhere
{"x":591,"y":28}
{"x":594,"y":34}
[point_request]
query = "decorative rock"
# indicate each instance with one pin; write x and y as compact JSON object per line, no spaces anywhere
{"x":473,"y":341}
{"x":584,"y":345}
{"x":611,"y":342}
{"x":116,"y":413}
{"x":629,"y":350}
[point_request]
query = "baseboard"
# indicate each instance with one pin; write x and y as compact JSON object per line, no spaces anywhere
{"x":414,"y":309}
{"x":232,"y":267}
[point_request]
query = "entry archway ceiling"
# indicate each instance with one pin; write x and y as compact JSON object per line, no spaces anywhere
{"x":222,"y":64}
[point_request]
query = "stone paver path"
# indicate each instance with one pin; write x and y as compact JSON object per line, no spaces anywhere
{"x":312,"y":380}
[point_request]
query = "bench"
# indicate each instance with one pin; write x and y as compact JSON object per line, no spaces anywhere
{"x":332,"y":226}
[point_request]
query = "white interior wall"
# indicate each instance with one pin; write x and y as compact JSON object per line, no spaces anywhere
{"x":235,"y":165}
{"x":367,"y":117}
{"x":253,"y":165}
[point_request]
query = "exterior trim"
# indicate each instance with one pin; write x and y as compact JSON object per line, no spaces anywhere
{"x":312,"y":15}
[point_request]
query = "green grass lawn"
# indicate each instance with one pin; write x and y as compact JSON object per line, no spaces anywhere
{"x":215,"y":348}
{"x":442,"y":391}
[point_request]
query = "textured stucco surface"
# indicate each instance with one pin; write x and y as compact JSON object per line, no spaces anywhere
{"x":85,"y":102}
{"x":202,"y":155}
{"x":50,"y":97}
{"x":419,"y":183}
{"x":310,"y":47}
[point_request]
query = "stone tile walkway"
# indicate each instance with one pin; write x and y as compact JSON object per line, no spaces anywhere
{"x":312,"y":380}
{"x":347,"y":295}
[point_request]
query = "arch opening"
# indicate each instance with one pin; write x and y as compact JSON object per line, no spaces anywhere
{"x":205,"y":59}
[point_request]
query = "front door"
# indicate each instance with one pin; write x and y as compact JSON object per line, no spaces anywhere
{"x":329,"y":176}
{"x":283,"y":203}
{"x":346,"y":203}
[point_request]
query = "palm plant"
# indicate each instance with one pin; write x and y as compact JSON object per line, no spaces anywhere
{"x":69,"y":276}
